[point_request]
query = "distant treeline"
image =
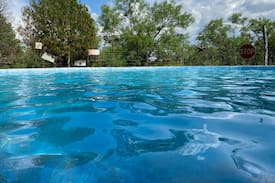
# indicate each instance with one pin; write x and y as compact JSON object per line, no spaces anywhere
{"x":129,"y":33}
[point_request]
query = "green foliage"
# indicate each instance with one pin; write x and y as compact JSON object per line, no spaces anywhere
{"x":223,"y":41}
{"x":134,"y":33}
{"x":257,"y":34}
{"x":215,"y":36}
{"x":9,"y":45}
{"x":141,"y":31}
{"x":30,"y":59}
{"x":66,"y":29}
{"x":112,"y":57}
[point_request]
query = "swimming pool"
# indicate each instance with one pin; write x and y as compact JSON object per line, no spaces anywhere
{"x":159,"y":124}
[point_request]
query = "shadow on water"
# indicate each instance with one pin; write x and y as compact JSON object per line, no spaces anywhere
{"x":52,"y":130}
{"x":55,"y":159}
{"x":49,"y":130}
{"x":121,"y":122}
{"x":8,"y":126}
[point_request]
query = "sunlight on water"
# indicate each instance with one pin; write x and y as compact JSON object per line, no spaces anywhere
{"x":169,"y":124}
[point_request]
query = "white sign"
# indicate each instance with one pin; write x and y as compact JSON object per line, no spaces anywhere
{"x":80,"y":63}
{"x":152,"y":58}
{"x":48,"y":57}
{"x":93,"y":52}
{"x":38,"y":46}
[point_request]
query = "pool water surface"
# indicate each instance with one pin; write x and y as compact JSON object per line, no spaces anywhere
{"x":159,"y":124}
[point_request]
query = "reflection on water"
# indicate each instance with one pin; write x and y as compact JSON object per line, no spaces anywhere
{"x":253,"y":169}
{"x":203,"y":140}
{"x":129,"y":145}
{"x":187,"y":142}
{"x":137,"y":125}
{"x":61,"y":161}
{"x":249,"y":167}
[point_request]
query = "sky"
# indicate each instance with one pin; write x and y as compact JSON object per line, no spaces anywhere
{"x":202,"y":10}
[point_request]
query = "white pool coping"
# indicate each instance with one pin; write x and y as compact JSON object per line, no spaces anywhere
{"x":150,"y":68}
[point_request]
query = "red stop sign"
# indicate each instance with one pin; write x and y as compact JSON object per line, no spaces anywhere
{"x":247,"y":51}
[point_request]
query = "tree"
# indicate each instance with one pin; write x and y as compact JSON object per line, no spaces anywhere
{"x":257,"y":34}
{"x":215,"y":36}
{"x":223,"y":40}
{"x":144,"y":31}
{"x":9,"y":45}
{"x":65,"y":28}
{"x":240,"y":36}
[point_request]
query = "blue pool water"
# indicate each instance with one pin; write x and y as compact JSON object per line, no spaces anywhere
{"x":169,"y":124}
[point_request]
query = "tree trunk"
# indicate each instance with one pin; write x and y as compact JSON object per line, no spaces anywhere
{"x":69,"y":60}
{"x":265,"y":45}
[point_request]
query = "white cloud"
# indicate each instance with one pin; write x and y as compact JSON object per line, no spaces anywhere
{"x":206,"y":10}
{"x":258,"y":6}
{"x":94,"y":16}
{"x":15,"y":9}
{"x":202,"y":10}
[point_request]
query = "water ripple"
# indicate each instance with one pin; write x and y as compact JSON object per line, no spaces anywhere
{"x":114,"y":124}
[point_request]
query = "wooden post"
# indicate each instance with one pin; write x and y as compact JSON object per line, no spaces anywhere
{"x":265,"y":45}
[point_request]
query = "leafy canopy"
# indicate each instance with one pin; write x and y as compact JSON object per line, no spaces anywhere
{"x":65,"y":28}
{"x":9,"y":45}
{"x":142,"y":31}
